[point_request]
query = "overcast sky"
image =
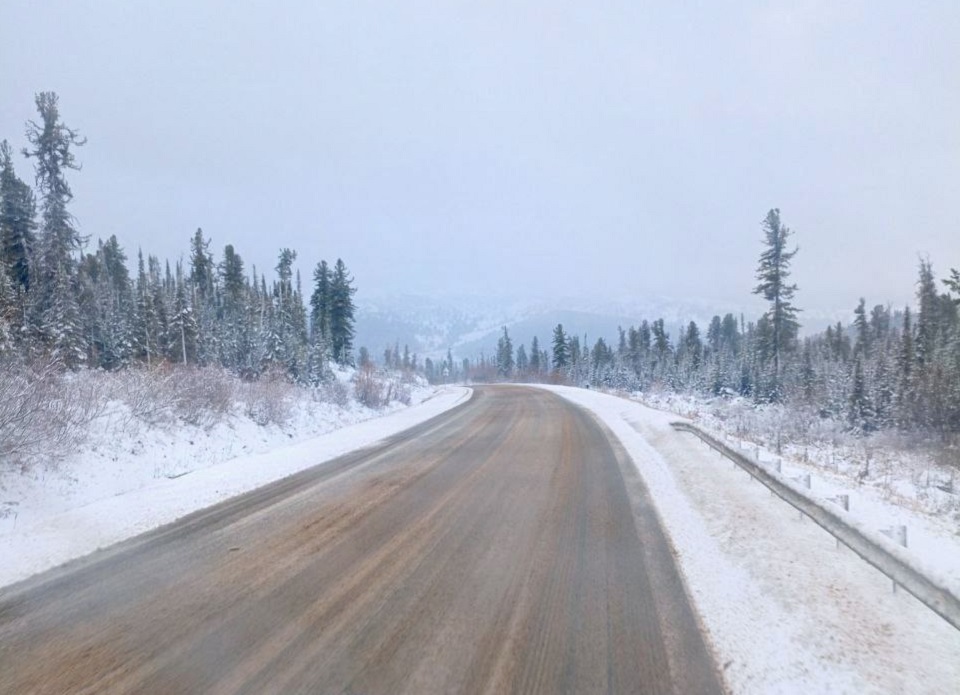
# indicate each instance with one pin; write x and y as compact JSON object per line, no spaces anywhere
{"x":606,"y":148}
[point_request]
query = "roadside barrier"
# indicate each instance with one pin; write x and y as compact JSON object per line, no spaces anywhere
{"x":884,"y":555}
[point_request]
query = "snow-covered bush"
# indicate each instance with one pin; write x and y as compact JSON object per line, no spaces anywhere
{"x":47,"y":413}
{"x":203,"y":396}
{"x":169,"y":394}
{"x":333,"y":391}
{"x":44,"y":413}
{"x":268,"y":400}
{"x":370,"y":389}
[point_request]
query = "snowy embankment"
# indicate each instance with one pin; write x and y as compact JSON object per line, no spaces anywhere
{"x":886,"y":485}
{"x":785,"y":610}
{"x":117,"y":487}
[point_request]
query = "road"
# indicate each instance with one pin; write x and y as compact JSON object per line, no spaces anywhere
{"x":506,"y":546}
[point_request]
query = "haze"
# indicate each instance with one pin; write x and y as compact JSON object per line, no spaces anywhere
{"x":595,"y":149}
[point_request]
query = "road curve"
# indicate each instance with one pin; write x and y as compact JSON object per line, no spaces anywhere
{"x":503,"y":547}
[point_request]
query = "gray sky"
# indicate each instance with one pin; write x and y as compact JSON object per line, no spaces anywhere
{"x":609,"y":148}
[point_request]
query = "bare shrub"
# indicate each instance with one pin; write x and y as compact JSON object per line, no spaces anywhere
{"x":370,"y":389}
{"x":268,"y":400}
{"x":401,"y":392}
{"x":335,"y":392}
{"x":44,"y":413}
{"x":203,"y":396}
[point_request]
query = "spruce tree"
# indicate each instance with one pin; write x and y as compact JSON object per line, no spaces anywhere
{"x":535,"y":367}
{"x":773,"y":272}
{"x":523,"y":362}
{"x":862,"y":325}
{"x":561,"y":351}
{"x":505,"y":362}
{"x":50,"y":144}
{"x":320,"y":302}
{"x":341,"y":314}
{"x":18,"y":210}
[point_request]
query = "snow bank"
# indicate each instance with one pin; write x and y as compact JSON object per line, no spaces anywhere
{"x":120,"y":487}
{"x":785,"y":610}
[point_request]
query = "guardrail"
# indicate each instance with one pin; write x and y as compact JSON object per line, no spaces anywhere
{"x":929,"y":591}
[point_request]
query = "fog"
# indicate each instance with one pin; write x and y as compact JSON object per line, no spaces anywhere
{"x":605,"y":149}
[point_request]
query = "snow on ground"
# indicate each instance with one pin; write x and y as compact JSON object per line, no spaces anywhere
{"x":895,"y":493}
{"x":785,"y":610}
{"x":129,"y":479}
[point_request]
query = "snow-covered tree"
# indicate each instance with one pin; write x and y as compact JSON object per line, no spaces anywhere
{"x":773,"y":271}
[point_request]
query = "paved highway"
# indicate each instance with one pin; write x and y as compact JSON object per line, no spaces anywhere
{"x":506,"y":546}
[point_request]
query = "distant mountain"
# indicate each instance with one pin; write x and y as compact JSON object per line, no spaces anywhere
{"x":470,"y":326}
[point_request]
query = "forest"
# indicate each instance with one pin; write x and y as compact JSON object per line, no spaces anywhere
{"x":64,"y":307}
{"x":183,"y":341}
{"x":889,"y":369}
{"x":83,"y":308}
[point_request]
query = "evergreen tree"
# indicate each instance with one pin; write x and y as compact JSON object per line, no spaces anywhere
{"x":523,"y":362}
{"x":341,"y":314}
{"x":860,"y":413}
{"x":862,"y":326}
{"x":928,"y":320}
{"x":661,"y":349}
{"x":7,"y":313}
{"x":505,"y":362}
{"x":535,"y":364}
{"x":236,"y":316}
{"x":51,"y":142}
{"x":905,"y":362}
{"x":320,"y":301}
{"x":773,"y":271}
{"x":18,"y":211}
{"x":201,"y":264}
{"x":182,"y":335}
{"x":145,"y":330}
{"x":561,"y":352}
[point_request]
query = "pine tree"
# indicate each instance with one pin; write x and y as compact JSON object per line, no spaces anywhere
{"x":201,"y":265}
{"x":535,"y":367}
{"x":203,"y":298}
{"x":341,"y":314}
{"x":928,"y":320}
{"x":145,"y":330}
{"x":320,"y":301}
{"x":561,"y":352}
{"x":51,"y":142}
{"x":7,"y":313}
{"x":182,"y":335}
{"x":18,"y":210}
{"x":860,"y":413}
{"x":773,"y":271}
{"x":523,"y":362}
{"x":862,"y":325}
{"x":61,"y":324}
{"x":660,"y":365}
{"x":236,"y":315}
{"x":505,"y":362}
{"x":905,"y":363}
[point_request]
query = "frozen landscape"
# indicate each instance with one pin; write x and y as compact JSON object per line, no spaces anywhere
{"x":480,"y":347}
{"x":787,"y":611}
{"x":830,"y":622}
{"x":129,"y":478}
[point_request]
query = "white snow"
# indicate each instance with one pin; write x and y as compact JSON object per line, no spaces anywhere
{"x":784,"y":609}
{"x":128,"y":480}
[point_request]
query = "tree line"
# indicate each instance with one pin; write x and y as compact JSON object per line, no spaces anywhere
{"x":886,"y":369}
{"x":84,"y":308}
